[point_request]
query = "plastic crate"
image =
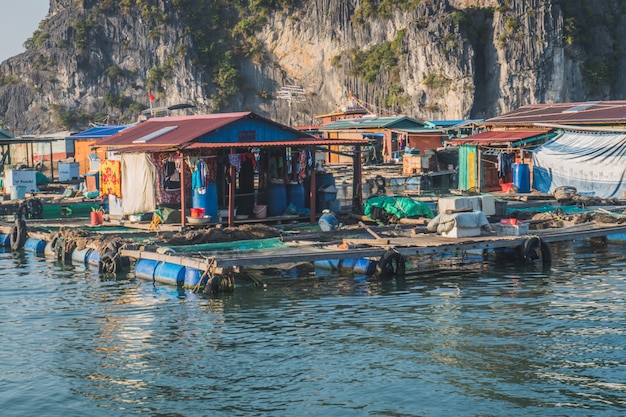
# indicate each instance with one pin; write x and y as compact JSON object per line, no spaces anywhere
{"x":519,"y":229}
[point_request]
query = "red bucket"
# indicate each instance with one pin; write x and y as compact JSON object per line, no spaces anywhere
{"x":197,"y":212}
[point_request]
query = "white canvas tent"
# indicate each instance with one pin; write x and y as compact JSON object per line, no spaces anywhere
{"x":593,"y":162}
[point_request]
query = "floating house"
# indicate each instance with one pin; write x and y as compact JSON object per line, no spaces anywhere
{"x":86,"y":153}
{"x":457,"y":128}
{"x":488,"y":161}
{"x":388,"y":136}
{"x":502,"y":154}
{"x":240,"y":164}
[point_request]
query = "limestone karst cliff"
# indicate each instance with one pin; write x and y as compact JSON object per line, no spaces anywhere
{"x":96,"y":60}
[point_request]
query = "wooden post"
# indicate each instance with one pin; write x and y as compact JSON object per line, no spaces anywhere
{"x":357,"y":181}
{"x":181,"y":172}
{"x":231,"y":193}
{"x":312,"y":190}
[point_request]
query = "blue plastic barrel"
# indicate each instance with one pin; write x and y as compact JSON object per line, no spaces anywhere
{"x":295,"y":195}
{"x":359,"y":266}
{"x":35,"y":245}
{"x":169,"y":273}
{"x":93,"y":258}
{"x":81,"y":256}
{"x":521,"y":177}
{"x":5,"y":240}
{"x":206,"y":198}
{"x":144,"y":268}
{"x":192,"y":277}
{"x":276,"y":199}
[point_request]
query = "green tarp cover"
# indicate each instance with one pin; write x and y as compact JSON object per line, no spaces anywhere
{"x":401,"y":207}
{"x":239,"y":245}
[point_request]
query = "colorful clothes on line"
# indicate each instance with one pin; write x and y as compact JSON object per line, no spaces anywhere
{"x":111,"y":178}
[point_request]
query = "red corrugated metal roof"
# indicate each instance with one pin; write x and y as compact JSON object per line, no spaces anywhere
{"x":497,"y":137}
{"x":591,"y":112}
{"x":187,"y":129}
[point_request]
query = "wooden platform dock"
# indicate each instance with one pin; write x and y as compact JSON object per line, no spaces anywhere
{"x":414,"y":245}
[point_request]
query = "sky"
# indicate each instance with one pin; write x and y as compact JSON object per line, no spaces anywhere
{"x":20,"y":18}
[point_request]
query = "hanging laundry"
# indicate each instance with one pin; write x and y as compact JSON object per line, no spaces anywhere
{"x":249,"y":156}
{"x":505,"y":164}
{"x":235,"y":161}
{"x":171,"y":175}
{"x":198,"y":178}
{"x":111,"y":178}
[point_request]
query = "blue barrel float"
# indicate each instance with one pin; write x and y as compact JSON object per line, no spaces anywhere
{"x":295,"y":195}
{"x":5,"y":240}
{"x":521,"y":177}
{"x":206,"y":198}
{"x":144,"y":268}
{"x":81,"y":255}
{"x":276,"y":198}
{"x":192,"y":277}
{"x":93,"y":258}
{"x":169,"y":273}
{"x":35,"y":245}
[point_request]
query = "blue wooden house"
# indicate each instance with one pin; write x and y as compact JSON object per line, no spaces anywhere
{"x":228,"y":160}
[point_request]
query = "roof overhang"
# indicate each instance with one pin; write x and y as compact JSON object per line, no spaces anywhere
{"x":141,"y":148}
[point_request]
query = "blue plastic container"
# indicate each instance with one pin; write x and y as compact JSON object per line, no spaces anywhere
{"x":521,"y":177}
{"x":81,"y":256}
{"x":295,"y":195}
{"x":206,"y":198}
{"x":325,"y":197}
{"x":35,"y":245}
{"x":321,"y":180}
{"x":276,"y":199}
{"x":5,"y":240}
{"x":144,"y":268}
{"x":359,"y":266}
{"x":192,"y":277}
{"x":94,"y":258}
{"x":168,"y":273}
{"x":327,"y":265}
{"x":328,"y":222}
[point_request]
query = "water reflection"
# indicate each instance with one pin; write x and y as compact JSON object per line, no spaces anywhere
{"x":493,"y":339}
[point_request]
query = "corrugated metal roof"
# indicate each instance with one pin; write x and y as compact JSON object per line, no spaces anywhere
{"x":370,"y":123}
{"x":188,"y":129}
{"x":99,"y":132}
{"x":162,"y":134}
{"x":497,"y":137}
{"x":592,"y":112}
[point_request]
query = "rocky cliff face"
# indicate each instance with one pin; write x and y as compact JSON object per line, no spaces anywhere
{"x":94,"y":60}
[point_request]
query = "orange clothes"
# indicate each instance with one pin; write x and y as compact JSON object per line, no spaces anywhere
{"x":111,"y":178}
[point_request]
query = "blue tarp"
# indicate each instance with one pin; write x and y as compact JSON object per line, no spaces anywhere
{"x":99,"y":132}
{"x":593,"y":163}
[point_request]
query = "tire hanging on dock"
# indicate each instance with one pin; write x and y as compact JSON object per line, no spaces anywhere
{"x":35,"y":208}
{"x":535,"y":248}
{"x":18,"y":235}
{"x":392,"y":263}
{"x":110,"y":260}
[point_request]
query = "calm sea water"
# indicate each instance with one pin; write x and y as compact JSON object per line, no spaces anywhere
{"x":493,"y":340}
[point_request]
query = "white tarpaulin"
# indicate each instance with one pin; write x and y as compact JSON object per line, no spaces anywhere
{"x":594,"y":163}
{"x":138,"y":184}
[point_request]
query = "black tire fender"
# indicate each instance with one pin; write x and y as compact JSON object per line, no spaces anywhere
{"x":392,"y":263}
{"x":35,"y":208}
{"x":17,"y":238}
{"x":530,"y":247}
